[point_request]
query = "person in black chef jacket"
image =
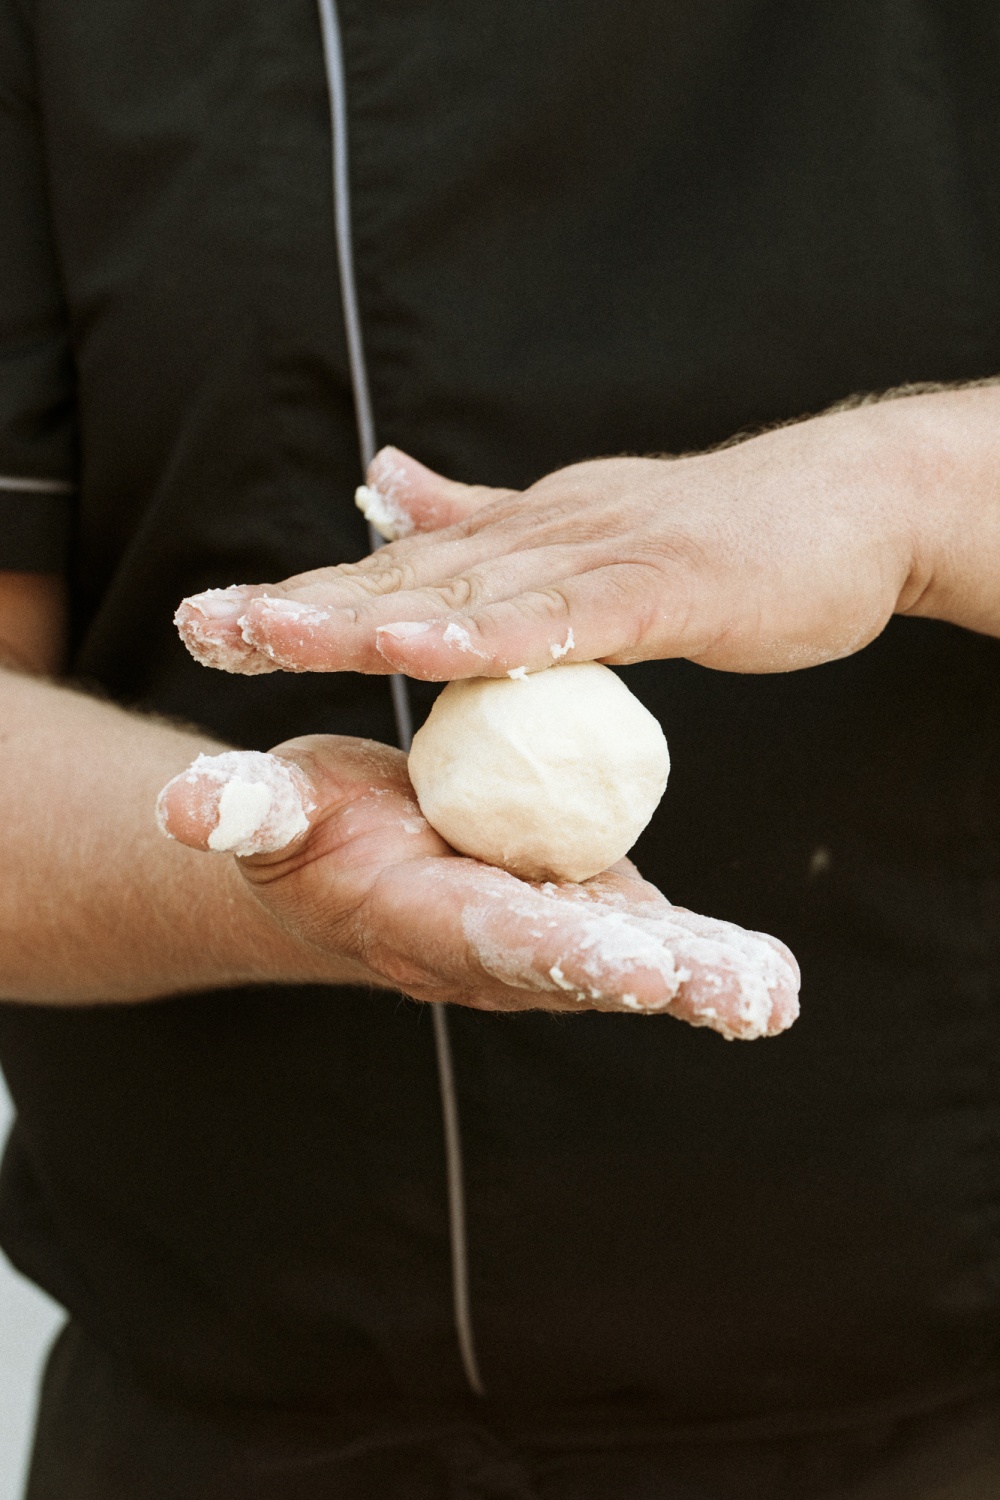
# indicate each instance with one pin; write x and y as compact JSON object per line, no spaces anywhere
{"x":695,"y":1271}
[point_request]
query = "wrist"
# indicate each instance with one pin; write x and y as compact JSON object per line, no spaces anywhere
{"x":949,"y":446}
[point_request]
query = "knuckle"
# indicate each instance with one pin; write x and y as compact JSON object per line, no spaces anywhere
{"x":378,"y":576}
{"x":675,"y":548}
{"x":544,"y":604}
{"x":457,"y":593}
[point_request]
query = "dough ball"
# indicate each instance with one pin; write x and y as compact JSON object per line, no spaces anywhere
{"x":553,"y":775}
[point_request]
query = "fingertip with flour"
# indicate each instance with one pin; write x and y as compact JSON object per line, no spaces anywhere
{"x":209,"y":625}
{"x":240,"y":802}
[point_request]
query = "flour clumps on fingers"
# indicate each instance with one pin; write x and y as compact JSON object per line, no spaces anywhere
{"x":255,"y":803}
{"x":552,"y":776}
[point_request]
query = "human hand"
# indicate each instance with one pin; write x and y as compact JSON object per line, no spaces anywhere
{"x":783,"y":551}
{"x":335,"y":848}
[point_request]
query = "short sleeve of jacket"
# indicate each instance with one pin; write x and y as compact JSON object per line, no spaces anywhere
{"x":37,"y":407}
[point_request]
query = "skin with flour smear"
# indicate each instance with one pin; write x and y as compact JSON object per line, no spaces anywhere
{"x":332,"y":844}
{"x":259,"y":804}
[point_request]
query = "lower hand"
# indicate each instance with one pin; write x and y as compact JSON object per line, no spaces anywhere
{"x":366,"y":880}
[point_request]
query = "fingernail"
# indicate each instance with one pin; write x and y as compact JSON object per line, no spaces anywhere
{"x":402,"y":630}
{"x":217,"y":604}
{"x":203,"y":623}
{"x":387,"y":473}
{"x":291,"y":609}
{"x":160,"y":810}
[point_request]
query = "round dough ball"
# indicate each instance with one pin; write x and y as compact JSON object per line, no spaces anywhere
{"x":552,"y":775}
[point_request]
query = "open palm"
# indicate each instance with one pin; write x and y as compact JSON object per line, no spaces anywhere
{"x":369,"y":881}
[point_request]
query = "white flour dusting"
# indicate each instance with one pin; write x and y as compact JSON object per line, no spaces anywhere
{"x":258,"y":801}
{"x":373,"y":507}
{"x":557,"y":652}
{"x":457,"y":635}
{"x":207,"y":624}
{"x":403,"y":629}
{"x":706,"y":972}
{"x":295,"y":610}
{"x":243,"y":807}
{"x":517,"y":674}
{"x":285,"y":612}
{"x":380,"y":503}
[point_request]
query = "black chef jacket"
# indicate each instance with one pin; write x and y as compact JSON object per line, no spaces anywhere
{"x":698,"y":1270}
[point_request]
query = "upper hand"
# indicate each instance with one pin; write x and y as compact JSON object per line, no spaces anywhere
{"x":786,"y":550}
{"x":342,"y":857}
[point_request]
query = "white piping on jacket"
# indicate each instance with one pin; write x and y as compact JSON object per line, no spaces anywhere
{"x":333,"y":57}
{"x":19,"y":486}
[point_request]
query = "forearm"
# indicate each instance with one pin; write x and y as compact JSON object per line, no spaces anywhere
{"x":95,"y":904}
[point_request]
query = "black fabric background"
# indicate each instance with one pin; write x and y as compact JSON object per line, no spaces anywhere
{"x":580,"y":229}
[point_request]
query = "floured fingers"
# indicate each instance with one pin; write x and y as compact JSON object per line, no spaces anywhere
{"x":209,"y":625}
{"x":640,"y":956}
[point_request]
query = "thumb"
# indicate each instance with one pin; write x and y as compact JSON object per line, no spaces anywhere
{"x":240,"y":802}
{"x":266,"y":808}
{"x":403,"y":496}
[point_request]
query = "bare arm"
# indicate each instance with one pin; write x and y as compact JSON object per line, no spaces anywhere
{"x":94,"y":903}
